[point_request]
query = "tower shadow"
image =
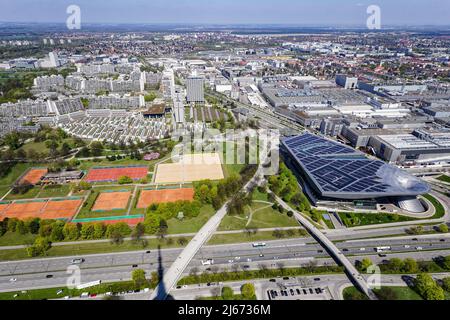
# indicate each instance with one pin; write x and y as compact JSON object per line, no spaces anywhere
{"x":162,"y":293}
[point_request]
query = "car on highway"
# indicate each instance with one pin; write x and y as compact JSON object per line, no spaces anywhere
{"x":345,"y":250}
{"x":362,"y":249}
{"x":316,"y":279}
{"x":415,"y":239}
{"x":442,"y":240}
{"x":230,"y":261}
{"x":319,"y":251}
{"x":48,"y":276}
{"x":134,"y":265}
{"x":382,"y":255}
{"x":285,"y":278}
{"x":148,"y":251}
{"x":273,"y":280}
{"x":237,"y":258}
{"x":13,"y":280}
{"x":261,"y":255}
{"x":249,"y":260}
{"x":77,"y":261}
{"x":207,"y":262}
{"x":259,"y":244}
{"x":419,"y":248}
{"x":407,"y":246}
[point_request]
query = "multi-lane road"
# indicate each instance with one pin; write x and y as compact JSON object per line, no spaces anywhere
{"x":293,"y":252}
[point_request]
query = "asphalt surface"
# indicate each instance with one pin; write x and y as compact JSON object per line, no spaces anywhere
{"x":288,"y":253}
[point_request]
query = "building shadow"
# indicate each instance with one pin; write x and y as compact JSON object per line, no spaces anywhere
{"x":162,"y":293}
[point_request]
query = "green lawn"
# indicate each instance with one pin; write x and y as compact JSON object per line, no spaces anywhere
{"x":30,"y":194}
{"x":191,"y":225}
{"x":90,"y":248}
{"x":251,"y":237}
{"x":444,"y":178}
{"x":36,"y":146}
{"x":259,"y":196}
{"x":4,"y":190}
{"x":354,"y":219}
{"x":404,"y":293}
{"x":263,"y":217}
{"x":54,"y":191}
{"x":230,"y":169}
{"x":440,"y":211}
{"x":15,"y":238}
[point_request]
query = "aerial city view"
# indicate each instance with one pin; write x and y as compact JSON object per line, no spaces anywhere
{"x":224,"y":150}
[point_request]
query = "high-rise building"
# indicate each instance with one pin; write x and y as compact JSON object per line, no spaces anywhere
{"x":195,"y":91}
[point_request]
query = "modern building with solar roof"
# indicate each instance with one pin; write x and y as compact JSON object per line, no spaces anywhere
{"x":337,"y":172}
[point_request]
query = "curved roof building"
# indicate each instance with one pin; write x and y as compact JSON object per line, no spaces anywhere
{"x":337,"y":171}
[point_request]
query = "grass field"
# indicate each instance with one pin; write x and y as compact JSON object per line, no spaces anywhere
{"x":30,"y":194}
{"x":15,"y":238}
{"x":191,"y":225}
{"x":4,"y":190}
{"x":54,"y":191}
{"x":263,"y":217}
{"x":444,"y":178}
{"x":404,"y":293}
{"x":353,"y":219}
{"x":87,"y":164}
{"x":440,"y":211}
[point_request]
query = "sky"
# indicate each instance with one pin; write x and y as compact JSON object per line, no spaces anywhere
{"x":296,"y":12}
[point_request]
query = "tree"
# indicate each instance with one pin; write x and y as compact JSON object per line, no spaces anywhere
{"x":125,"y":180}
{"x":138,"y":277}
{"x":248,"y":291}
{"x":40,"y":247}
{"x":57,"y":231}
{"x":99,"y":230}
{"x":138,"y":232}
{"x":71,"y":231}
{"x":410,"y":265}
{"x":96,"y":148}
{"x":446,"y":284}
{"x":182,"y":241}
{"x":365,"y":263}
{"x":428,"y":288}
{"x":227,"y":293}
{"x":396,"y":264}
{"x":443,"y":228}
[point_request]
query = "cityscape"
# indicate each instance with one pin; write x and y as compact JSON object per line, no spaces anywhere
{"x":202,"y":156}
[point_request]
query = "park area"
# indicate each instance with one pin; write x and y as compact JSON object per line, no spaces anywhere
{"x":189,"y":168}
{"x":148,"y":197}
{"x":110,"y":174}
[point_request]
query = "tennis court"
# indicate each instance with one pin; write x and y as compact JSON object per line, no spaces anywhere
{"x":24,"y":209}
{"x":44,"y":209}
{"x":108,"y":174}
{"x":149,"y":197}
{"x":33,"y":176}
{"x":61,"y":209}
{"x":108,"y":201}
{"x":193,"y":167}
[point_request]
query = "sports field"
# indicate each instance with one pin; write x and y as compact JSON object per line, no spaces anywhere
{"x":44,"y":209}
{"x":192,"y":167}
{"x":33,"y":176}
{"x":114,"y":173}
{"x":108,"y":201}
{"x":149,"y":197}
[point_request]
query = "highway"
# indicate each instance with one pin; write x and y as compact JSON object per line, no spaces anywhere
{"x":287,"y":253}
{"x":352,"y":272}
{"x":176,"y":270}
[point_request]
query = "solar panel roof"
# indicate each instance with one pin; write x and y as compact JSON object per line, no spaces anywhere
{"x":337,"y":170}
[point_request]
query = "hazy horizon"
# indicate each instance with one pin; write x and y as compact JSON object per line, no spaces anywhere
{"x":230,"y":12}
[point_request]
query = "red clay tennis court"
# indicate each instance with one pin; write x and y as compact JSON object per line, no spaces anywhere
{"x":33,"y":176}
{"x":23,"y":210}
{"x":130,"y":222}
{"x":54,"y":209}
{"x":61,"y":209}
{"x":114,"y":173}
{"x":108,"y":201}
{"x":148,"y":197}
